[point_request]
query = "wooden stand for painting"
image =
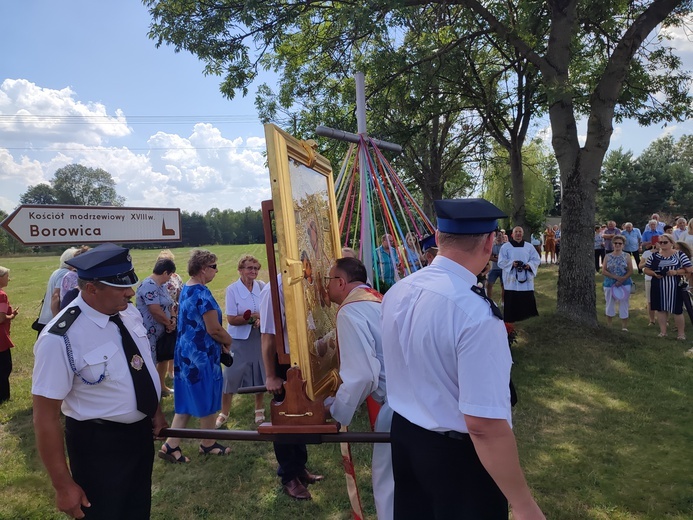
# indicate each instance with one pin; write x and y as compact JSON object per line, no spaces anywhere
{"x":297,"y":413}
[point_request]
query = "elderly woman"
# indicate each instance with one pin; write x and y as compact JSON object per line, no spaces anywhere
{"x":7,"y":314}
{"x":666,"y":269}
{"x":156,"y":307}
{"x":243,"y":318}
{"x":617,"y":269}
{"x":50,"y":306}
{"x":173,"y":286}
{"x":201,"y":340}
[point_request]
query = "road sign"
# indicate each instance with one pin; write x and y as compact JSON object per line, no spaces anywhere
{"x":48,"y":224}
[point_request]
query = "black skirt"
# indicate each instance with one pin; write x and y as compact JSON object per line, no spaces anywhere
{"x":519,"y":305}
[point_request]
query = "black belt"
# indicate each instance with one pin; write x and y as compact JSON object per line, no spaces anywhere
{"x":458,"y":436}
{"x":104,"y":423}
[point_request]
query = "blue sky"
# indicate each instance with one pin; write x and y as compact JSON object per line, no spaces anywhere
{"x":148,"y":116}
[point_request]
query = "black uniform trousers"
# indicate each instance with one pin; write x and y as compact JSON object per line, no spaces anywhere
{"x":5,"y":371}
{"x":441,"y":478}
{"x":292,"y":458}
{"x":112,"y":462}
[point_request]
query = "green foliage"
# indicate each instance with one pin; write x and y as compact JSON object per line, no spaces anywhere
{"x":39,"y":194}
{"x":75,"y":185}
{"x":81,"y":186}
{"x":540,"y":172}
{"x":660,"y":180}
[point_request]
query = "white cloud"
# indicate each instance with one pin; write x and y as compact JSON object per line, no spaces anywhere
{"x":34,"y":116}
{"x":196,"y":172}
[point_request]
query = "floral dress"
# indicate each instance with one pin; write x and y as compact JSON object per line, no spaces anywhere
{"x":617,"y":265}
{"x":150,"y":293}
{"x":197,"y":370}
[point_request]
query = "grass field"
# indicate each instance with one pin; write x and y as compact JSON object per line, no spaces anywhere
{"x":604,"y":422}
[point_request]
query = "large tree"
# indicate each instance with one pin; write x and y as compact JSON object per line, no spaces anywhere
{"x":594,"y":60}
{"x":82,"y":186}
{"x":660,"y":180}
{"x":39,"y":194}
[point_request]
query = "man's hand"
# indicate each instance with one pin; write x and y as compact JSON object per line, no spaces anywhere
{"x":274,"y":384}
{"x":159,"y":422}
{"x":71,"y":499}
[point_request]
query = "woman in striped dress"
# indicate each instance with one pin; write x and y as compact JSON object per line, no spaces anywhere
{"x":667,"y":268}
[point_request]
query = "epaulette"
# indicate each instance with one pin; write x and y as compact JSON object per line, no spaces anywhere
{"x":60,"y":327}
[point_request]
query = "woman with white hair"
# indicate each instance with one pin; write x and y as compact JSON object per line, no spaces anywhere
{"x":51,"y":301}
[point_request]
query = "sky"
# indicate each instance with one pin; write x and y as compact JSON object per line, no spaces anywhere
{"x":80,"y":82}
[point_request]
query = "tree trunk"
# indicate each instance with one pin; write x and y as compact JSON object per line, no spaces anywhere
{"x":576,"y":294}
{"x":519,"y":216}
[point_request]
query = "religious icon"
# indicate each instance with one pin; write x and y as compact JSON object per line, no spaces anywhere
{"x":308,"y":240}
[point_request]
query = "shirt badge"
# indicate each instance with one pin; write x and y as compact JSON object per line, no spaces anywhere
{"x":137,"y":362}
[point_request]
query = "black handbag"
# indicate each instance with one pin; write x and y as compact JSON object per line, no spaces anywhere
{"x":165,"y":346}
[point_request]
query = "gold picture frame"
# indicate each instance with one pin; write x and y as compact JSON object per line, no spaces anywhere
{"x":306,"y":219}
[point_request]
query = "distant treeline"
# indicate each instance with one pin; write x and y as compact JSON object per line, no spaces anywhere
{"x":214,"y":227}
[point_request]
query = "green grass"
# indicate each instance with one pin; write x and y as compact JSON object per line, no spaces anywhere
{"x":603,"y":423}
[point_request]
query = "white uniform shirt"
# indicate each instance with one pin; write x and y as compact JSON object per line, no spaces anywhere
{"x":527,"y":254}
{"x":445,"y":352}
{"x":96,"y":345}
{"x":267,"y":312}
{"x":238,"y":300}
{"x":361,"y":366}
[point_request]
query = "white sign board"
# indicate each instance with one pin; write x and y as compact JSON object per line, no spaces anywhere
{"x":47,"y":224}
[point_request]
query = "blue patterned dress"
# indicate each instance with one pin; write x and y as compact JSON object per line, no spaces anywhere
{"x":197,"y":371}
{"x":151,"y":293}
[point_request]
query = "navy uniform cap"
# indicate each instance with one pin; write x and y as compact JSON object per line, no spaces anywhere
{"x":467,"y":216}
{"x":427,"y":242}
{"x":107,"y":263}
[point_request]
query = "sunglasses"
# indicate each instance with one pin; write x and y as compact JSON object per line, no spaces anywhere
{"x":213,"y":266}
{"x":252,"y":268}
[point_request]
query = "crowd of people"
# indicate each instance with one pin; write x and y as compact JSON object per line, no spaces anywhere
{"x":87,"y":354}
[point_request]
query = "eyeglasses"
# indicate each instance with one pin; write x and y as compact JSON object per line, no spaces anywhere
{"x":213,"y":266}
{"x":328,"y":278}
{"x":251,"y":268}
{"x":664,"y":242}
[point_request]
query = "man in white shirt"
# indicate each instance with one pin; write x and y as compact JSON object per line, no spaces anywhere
{"x":93,"y":362}
{"x":447,"y":364}
{"x":361,"y":368}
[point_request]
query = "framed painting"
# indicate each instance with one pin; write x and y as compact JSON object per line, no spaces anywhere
{"x":305,"y":215}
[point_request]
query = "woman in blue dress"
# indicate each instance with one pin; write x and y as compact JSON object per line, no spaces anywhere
{"x":197,"y":372}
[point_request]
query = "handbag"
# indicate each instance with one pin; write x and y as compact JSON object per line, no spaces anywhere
{"x":632,"y":288}
{"x":166,"y":345}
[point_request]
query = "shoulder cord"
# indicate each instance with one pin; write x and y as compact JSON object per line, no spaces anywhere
{"x":71,"y":359}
